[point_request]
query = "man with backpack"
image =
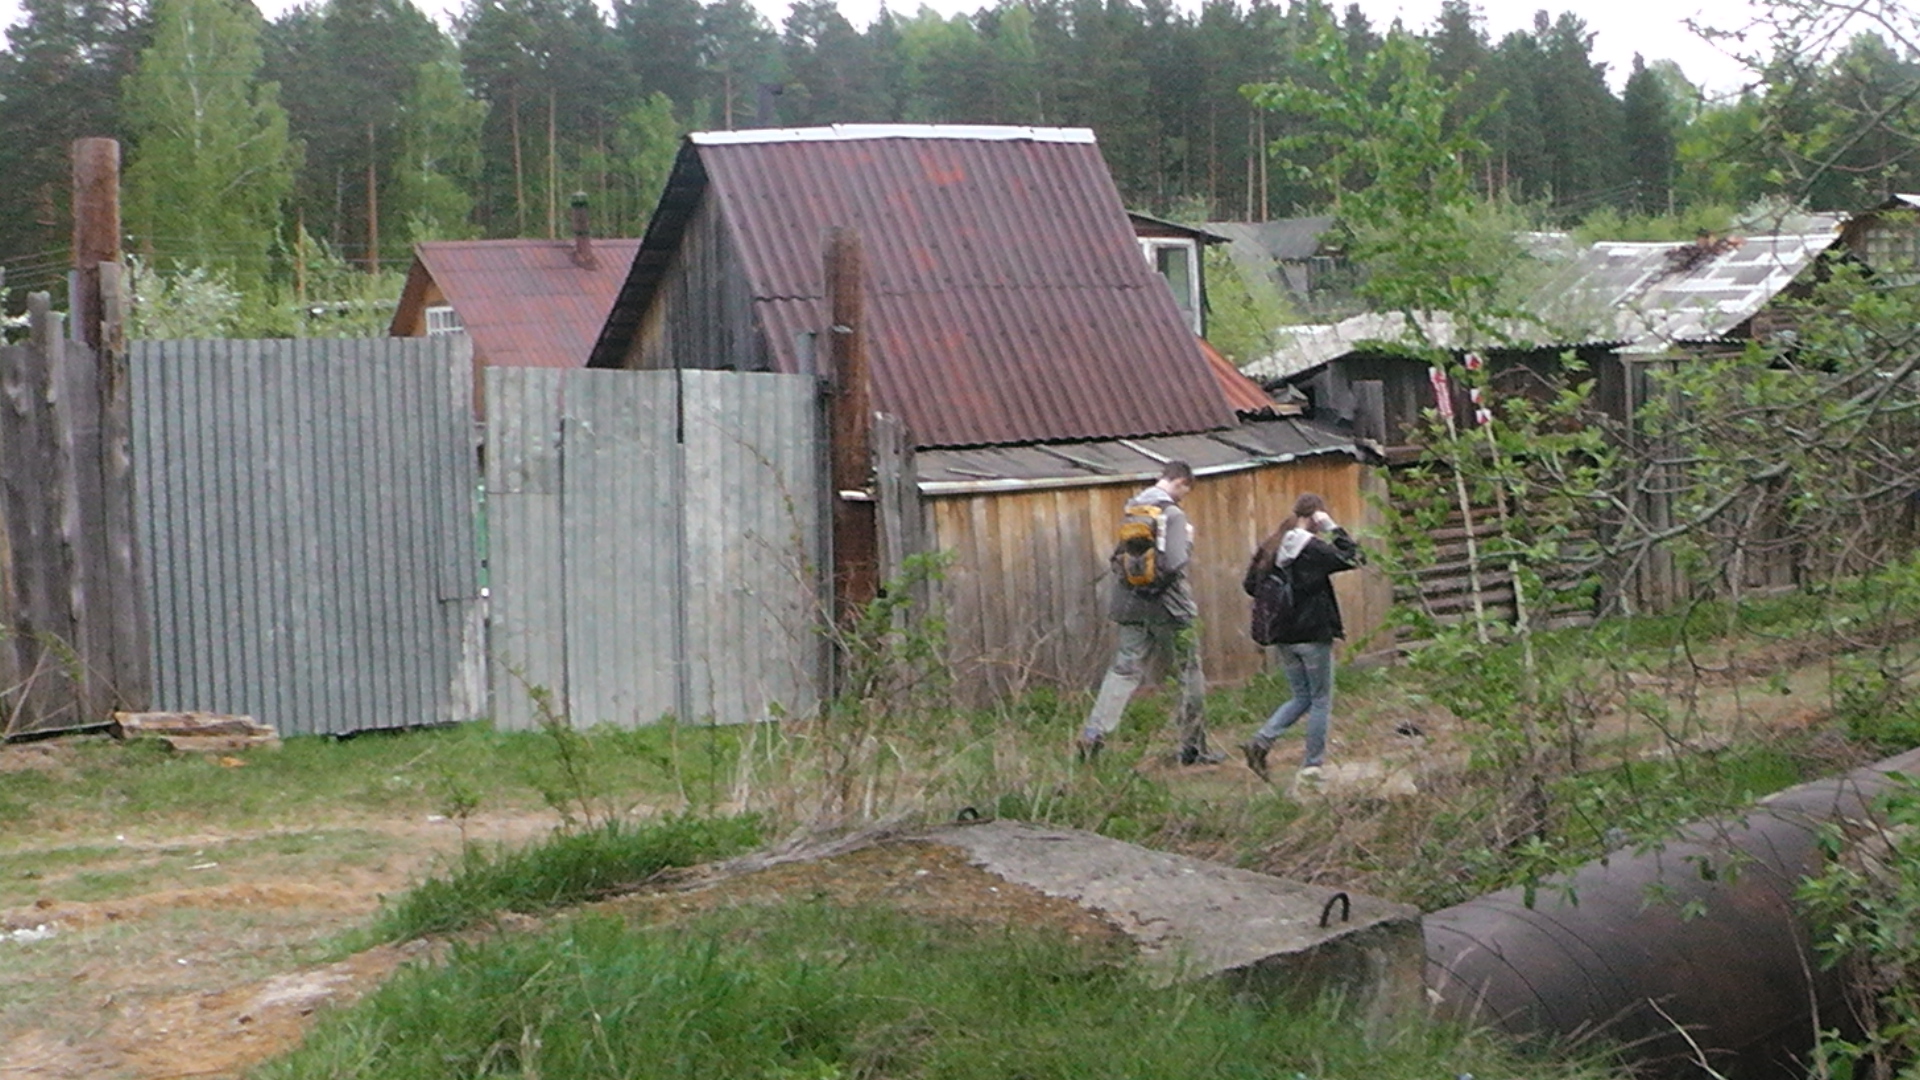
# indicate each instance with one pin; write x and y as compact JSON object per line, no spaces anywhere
{"x":1148,"y":595}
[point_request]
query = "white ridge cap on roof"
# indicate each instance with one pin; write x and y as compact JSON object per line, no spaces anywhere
{"x":846,"y":132}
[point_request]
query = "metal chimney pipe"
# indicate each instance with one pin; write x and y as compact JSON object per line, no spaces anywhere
{"x":582,"y":233}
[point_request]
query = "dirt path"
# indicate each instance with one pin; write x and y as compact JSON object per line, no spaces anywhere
{"x":218,"y":969}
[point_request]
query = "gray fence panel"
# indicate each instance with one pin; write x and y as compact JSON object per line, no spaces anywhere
{"x":622,"y":511}
{"x":753,"y":545}
{"x":308,"y":521}
{"x":655,"y":544}
{"x":525,"y":551}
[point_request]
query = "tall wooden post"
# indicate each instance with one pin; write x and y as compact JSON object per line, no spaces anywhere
{"x":855,"y":540}
{"x":96,"y":229}
{"x":114,"y":626}
{"x":373,"y":205}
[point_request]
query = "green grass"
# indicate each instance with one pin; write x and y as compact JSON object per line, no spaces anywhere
{"x":567,"y":868}
{"x":817,"y":992}
{"x":123,"y":785}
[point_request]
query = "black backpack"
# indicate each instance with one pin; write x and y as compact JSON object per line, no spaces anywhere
{"x":1272,"y":590}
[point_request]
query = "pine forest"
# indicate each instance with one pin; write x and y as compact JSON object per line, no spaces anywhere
{"x":277,"y":169}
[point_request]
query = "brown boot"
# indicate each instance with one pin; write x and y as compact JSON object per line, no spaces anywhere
{"x":1256,"y":752}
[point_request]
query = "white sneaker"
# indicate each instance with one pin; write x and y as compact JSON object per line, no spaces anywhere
{"x":1309,"y":773}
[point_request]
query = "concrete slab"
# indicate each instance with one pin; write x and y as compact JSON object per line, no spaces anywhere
{"x":1197,"y":919}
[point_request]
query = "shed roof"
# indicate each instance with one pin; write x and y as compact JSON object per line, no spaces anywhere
{"x":1641,"y":297}
{"x":1006,"y":295}
{"x":1286,"y":240}
{"x":1148,"y":225}
{"x":1127,"y":461}
{"x":525,"y":303}
{"x":1661,"y":294}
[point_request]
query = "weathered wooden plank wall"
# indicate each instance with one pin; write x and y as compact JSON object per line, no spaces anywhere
{"x":73,"y":640}
{"x":704,"y":308}
{"x":1023,"y":595}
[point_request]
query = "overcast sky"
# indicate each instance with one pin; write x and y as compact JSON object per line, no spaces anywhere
{"x":1654,"y":28}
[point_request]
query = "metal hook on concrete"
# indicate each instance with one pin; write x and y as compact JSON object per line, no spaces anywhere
{"x":1346,"y":909}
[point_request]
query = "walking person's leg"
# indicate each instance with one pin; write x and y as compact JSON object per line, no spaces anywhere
{"x":1318,"y":661}
{"x":1283,"y":717}
{"x":1116,"y":689}
{"x":1184,"y":643}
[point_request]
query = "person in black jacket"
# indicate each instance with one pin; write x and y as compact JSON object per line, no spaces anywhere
{"x":1310,"y":548}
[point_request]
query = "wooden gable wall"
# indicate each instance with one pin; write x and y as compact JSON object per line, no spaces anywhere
{"x":701,"y":316}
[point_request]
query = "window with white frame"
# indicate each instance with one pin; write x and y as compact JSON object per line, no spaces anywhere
{"x":1178,"y":261}
{"x":442,"y":319}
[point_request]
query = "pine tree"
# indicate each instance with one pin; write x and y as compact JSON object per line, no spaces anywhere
{"x":346,"y":71}
{"x":59,"y":81}
{"x":1647,"y":136}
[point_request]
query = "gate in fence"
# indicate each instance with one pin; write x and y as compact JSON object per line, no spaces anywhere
{"x":321,"y":553}
{"x":655,"y":545}
{"x":307,"y":514}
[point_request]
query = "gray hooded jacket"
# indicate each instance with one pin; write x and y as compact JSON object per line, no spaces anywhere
{"x":1175,"y":604}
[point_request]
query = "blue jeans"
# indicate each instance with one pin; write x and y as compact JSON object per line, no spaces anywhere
{"x":1310,"y":671}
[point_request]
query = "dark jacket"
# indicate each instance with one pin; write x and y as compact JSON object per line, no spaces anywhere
{"x":1315,"y":616}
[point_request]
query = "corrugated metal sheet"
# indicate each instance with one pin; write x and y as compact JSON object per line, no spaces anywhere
{"x":1125,"y":461}
{"x":1287,"y":240}
{"x":1653,"y":296}
{"x":621,"y":544}
{"x":1007,"y":295}
{"x":1242,"y":393}
{"x":526,"y":583}
{"x":655,"y":543}
{"x":308,"y":521}
{"x":1643,"y":297}
{"x":753,"y":545}
{"x":524,"y":302}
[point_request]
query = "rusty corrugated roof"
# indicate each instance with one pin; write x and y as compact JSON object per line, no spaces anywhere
{"x":1008,"y":299}
{"x":527,"y":303}
{"x":1242,"y":393}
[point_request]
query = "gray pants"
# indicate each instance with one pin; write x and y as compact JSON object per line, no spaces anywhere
{"x":1309,"y":669}
{"x":1176,"y":641}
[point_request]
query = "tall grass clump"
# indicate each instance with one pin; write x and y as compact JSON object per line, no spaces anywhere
{"x":567,"y":868}
{"x":820,"y":992}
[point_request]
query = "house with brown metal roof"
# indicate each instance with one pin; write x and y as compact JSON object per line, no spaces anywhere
{"x":1042,"y":368}
{"x":524,"y":303}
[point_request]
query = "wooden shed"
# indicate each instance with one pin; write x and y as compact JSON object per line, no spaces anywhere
{"x":1041,"y":368}
{"x":1030,"y":530}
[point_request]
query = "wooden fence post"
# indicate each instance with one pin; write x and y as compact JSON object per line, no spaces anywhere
{"x":41,"y":627}
{"x":897,"y":493}
{"x":855,"y":554}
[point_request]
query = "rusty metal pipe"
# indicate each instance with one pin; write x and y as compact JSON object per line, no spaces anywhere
{"x":1701,"y":936}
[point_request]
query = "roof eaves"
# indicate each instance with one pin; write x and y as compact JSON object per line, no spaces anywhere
{"x":412,"y":294}
{"x":1194,"y":231}
{"x":851,"y":132}
{"x":685,"y":186}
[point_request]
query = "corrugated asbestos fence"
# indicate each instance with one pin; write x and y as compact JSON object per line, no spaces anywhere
{"x":307,"y":515}
{"x":655,"y":545}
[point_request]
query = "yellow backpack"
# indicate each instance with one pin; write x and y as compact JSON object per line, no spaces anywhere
{"x":1136,"y":551}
